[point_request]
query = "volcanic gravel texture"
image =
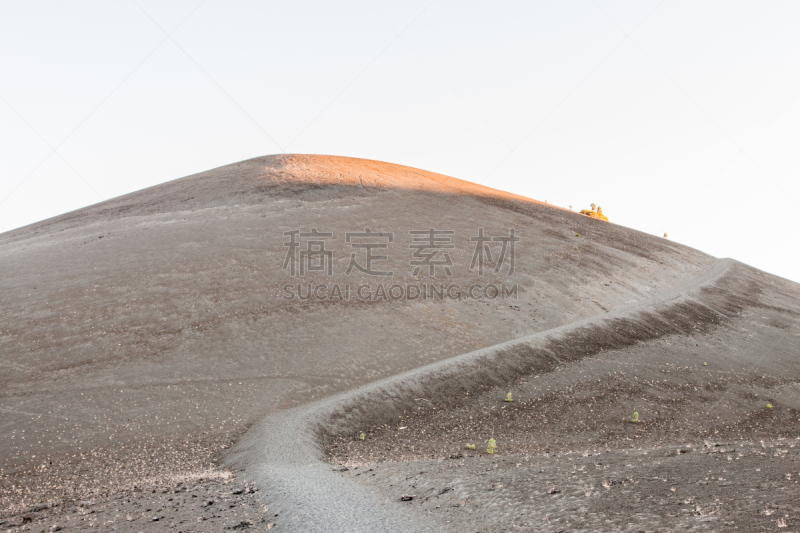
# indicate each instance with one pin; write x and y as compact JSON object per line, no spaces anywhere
{"x":143,"y":336}
{"x":721,"y":376}
{"x":213,"y":500}
{"x":712,"y":486}
{"x":692,"y":371}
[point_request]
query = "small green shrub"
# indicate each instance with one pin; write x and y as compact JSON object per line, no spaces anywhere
{"x":362,"y":436}
{"x":509,"y":398}
{"x":635,"y":418}
{"x":470,"y":446}
{"x":491,"y":446}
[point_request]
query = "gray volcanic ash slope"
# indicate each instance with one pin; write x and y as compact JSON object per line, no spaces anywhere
{"x":712,"y":369}
{"x":143,"y":335}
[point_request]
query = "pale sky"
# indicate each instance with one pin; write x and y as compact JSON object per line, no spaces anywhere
{"x":674,"y":116}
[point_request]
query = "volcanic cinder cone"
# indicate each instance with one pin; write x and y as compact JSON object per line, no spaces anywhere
{"x":140,"y":337}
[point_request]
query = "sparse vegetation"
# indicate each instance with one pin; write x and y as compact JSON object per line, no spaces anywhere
{"x":470,"y":446}
{"x":595,"y":212}
{"x":635,"y":418}
{"x":362,"y":436}
{"x":491,"y":446}
{"x":509,"y":398}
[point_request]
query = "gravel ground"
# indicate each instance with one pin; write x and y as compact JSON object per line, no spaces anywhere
{"x":715,"y":447}
{"x":142,"y":335}
{"x":711,"y":486}
{"x":213,"y":500}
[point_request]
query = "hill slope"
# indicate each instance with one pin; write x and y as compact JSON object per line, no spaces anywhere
{"x":141,"y":336}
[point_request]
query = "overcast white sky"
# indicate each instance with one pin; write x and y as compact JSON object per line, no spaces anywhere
{"x":674,"y":116}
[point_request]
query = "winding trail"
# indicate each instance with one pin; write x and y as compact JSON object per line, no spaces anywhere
{"x":282,"y":453}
